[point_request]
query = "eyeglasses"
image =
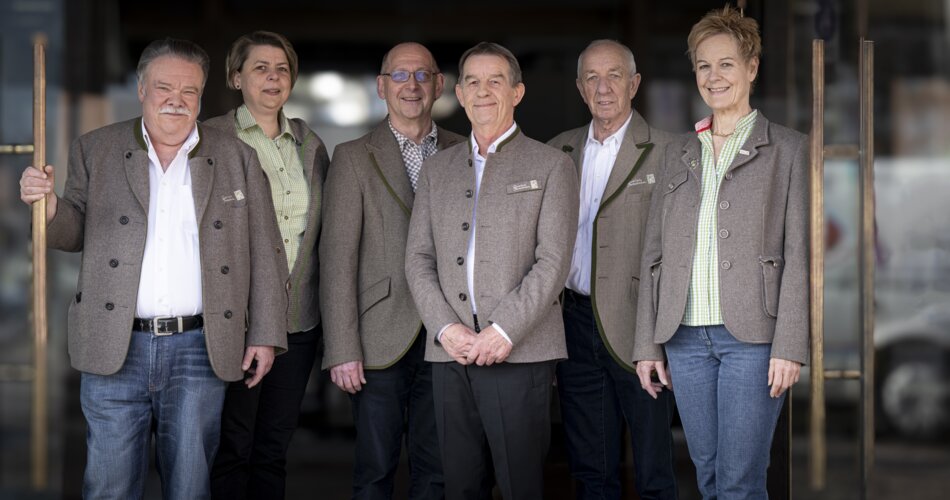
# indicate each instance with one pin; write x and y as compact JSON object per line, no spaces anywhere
{"x":421,"y":76}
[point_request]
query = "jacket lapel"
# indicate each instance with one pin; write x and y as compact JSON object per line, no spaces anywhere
{"x":387,"y":161}
{"x":632,"y":148}
{"x":202,"y":178}
{"x":693,"y":158}
{"x":136,"y":165}
{"x":759,"y":137}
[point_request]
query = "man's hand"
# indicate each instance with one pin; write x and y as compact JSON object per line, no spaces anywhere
{"x":264,"y":355}
{"x":348,"y":376}
{"x":782,"y":375}
{"x":489,"y":348}
{"x":34,"y":185}
{"x":645,"y":371}
{"x":457,"y":340}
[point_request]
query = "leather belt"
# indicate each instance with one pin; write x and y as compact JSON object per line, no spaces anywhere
{"x":576,"y":297}
{"x":167,"y":325}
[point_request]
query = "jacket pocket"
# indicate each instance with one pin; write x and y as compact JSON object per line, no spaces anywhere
{"x":772,"y":268}
{"x":372,"y":295}
{"x":655,"y":269}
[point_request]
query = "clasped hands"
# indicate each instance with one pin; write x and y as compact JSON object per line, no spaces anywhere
{"x":466,"y":347}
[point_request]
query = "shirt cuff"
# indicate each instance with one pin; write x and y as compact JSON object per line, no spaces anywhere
{"x":502,"y":332}
{"x":438,"y":336}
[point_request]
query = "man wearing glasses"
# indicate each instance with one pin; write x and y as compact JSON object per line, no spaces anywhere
{"x":374,"y":339}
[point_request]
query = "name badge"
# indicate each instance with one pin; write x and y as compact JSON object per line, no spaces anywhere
{"x":743,"y":152}
{"x":521,"y":187}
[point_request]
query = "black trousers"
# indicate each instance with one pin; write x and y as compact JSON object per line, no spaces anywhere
{"x":396,"y":402}
{"x":493,"y":419}
{"x":257,"y":424}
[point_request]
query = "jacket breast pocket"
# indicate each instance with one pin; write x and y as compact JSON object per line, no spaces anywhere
{"x":772,"y":268}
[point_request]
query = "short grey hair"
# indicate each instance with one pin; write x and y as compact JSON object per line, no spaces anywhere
{"x":631,"y":63}
{"x":174,"y":47}
{"x":493,"y":49}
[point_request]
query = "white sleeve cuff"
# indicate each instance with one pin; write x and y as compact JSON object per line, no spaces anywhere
{"x":502,"y":332}
{"x":438,"y":336}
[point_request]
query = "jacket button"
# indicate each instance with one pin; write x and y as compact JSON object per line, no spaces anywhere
{"x":463,"y":297}
{"x":110,"y":306}
{"x":210,"y":161}
{"x":123,"y":220}
{"x":128,"y":155}
{"x":724,"y":205}
{"x":726,"y":265}
{"x":729,"y":176}
{"x":465,"y":226}
{"x":113,"y":263}
{"x":218,"y":224}
{"x":470,"y":162}
{"x":460,"y":261}
{"x":723,"y":233}
{"x":468,"y":193}
{"x":670,"y":186}
{"x":225,"y":269}
{"x":227,"y":314}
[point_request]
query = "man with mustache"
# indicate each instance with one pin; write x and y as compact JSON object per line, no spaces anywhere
{"x":374,"y":340}
{"x":180,"y":288}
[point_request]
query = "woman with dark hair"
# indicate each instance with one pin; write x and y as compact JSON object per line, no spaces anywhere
{"x":258,"y":423}
{"x":724,"y":293}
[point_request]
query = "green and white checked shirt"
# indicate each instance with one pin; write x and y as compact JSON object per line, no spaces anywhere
{"x":702,"y":303}
{"x":288,"y":184}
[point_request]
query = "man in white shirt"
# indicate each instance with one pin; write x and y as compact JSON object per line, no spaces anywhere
{"x":169,"y":217}
{"x":618,"y":158}
{"x":488,"y":251}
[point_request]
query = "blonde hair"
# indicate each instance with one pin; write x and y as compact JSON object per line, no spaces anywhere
{"x":726,"y":21}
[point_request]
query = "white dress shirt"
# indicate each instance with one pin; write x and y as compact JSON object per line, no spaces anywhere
{"x":598,"y":162}
{"x":478,"y":162}
{"x":170,"y":284}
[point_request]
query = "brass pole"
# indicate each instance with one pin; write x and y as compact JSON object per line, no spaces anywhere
{"x":818,"y":456}
{"x":38,"y":429}
{"x":867,"y":262}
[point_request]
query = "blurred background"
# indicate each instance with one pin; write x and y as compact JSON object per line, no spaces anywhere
{"x":93,"y":46}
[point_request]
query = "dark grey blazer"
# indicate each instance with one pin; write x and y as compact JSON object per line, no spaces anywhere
{"x":103,"y":213}
{"x":368,"y":314}
{"x":303,"y":310}
{"x":527,"y":222}
{"x":763,"y":244}
{"x":618,"y":232}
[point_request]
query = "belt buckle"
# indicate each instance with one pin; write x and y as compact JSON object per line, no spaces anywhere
{"x":159,"y":319}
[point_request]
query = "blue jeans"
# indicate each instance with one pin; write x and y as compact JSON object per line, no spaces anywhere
{"x":597,"y":396}
{"x":166,"y":382}
{"x":721,"y":389}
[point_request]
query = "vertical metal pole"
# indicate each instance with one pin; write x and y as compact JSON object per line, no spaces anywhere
{"x":38,"y":431}
{"x":818,"y":456}
{"x":867,"y":260}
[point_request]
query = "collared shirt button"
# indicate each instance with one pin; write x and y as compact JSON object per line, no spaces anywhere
{"x":463,"y":297}
{"x":113,"y":263}
{"x":724,"y":205}
{"x":726,"y":265}
{"x":460,"y":261}
{"x":723,"y":233}
{"x":465,"y":226}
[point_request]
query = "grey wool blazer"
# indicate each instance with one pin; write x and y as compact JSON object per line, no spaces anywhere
{"x":762,"y":216}
{"x":368,"y":313}
{"x":103,"y":213}
{"x":526,"y":225}
{"x":619,"y":228}
{"x":302,"y":284}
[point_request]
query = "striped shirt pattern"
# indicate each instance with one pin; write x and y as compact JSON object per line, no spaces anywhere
{"x":702,"y":304}
{"x":414,"y":154}
{"x":288,"y":183}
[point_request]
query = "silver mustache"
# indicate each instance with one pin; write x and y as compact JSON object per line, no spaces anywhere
{"x":174,"y":110}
